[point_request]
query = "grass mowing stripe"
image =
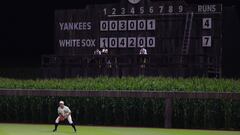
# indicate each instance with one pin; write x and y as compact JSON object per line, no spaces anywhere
{"x":28,"y":129}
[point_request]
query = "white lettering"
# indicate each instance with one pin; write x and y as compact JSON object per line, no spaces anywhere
{"x":77,"y":43}
{"x":207,"y":8}
{"x":68,"y":26}
{"x":61,"y":25}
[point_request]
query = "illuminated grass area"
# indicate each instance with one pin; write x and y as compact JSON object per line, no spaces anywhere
{"x":28,"y":129}
{"x":127,"y":83}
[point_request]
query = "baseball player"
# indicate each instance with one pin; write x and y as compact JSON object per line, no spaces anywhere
{"x":64,"y":113}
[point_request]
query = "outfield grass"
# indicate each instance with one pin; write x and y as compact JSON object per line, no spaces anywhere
{"x":28,"y":129}
{"x":127,"y":83}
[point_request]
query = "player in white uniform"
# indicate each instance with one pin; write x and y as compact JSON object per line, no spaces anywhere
{"x":143,"y":51}
{"x":64,"y":113}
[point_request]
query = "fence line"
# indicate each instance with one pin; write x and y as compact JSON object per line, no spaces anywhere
{"x":168,"y":96}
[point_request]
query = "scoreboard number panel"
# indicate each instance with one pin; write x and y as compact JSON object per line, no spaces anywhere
{"x":103,"y":25}
{"x":141,"y":24}
{"x":113,"y":25}
{"x":207,"y":23}
{"x":113,"y":42}
{"x":122,"y":25}
{"x":151,"y":42}
{"x":132,"y":25}
{"x":141,"y":42}
{"x":132,"y":42}
{"x":122,"y":42}
{"x":151,"y":24}
{"x":206,"y":41}
{"x":103,"y":42}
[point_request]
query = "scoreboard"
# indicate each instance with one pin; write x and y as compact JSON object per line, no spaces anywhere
{"x":169,"y":28}
{"x":134,"y":24}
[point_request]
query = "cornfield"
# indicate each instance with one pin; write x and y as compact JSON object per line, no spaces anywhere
{"x":127,"y":83}
{"x":148,"y":112}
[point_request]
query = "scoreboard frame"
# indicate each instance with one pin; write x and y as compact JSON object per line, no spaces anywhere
{"x":181,"y":39}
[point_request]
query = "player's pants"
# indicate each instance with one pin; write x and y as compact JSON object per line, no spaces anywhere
{"x":69,"y":118}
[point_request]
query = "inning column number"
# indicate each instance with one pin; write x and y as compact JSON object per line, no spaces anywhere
{"x":150,"y":9}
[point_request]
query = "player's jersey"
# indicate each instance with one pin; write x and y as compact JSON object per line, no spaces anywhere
{"x":63,"y":110}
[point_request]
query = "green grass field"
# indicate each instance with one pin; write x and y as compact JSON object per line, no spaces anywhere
{"x":28,"y":129}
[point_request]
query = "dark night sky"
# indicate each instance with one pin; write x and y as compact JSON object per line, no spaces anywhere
{"x":27,"y":29}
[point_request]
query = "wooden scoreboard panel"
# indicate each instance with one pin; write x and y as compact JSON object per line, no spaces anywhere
{"x":170,"y":28}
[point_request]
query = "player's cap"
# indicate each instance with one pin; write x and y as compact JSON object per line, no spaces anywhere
{"x":61,"y":102}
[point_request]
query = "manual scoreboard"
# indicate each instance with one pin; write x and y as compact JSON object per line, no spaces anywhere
{"x":136,"y":23}
{"x":170,"y":29}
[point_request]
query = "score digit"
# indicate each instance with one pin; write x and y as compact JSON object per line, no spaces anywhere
{"x":207,"y":23}
{"x":206,"y":41}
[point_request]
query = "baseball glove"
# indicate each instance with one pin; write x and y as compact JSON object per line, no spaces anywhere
{"x":61,"y":118}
